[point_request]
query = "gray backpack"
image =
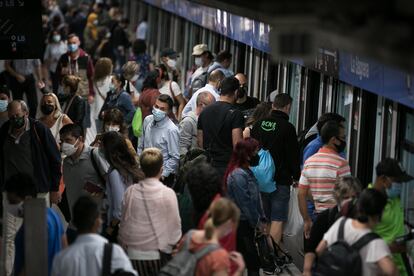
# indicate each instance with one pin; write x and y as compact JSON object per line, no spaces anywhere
{"x":185,"y":262}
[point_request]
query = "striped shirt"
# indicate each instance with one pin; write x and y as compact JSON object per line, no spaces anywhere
{"x":320,"y":173}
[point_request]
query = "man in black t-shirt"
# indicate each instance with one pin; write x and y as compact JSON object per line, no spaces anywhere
{"x":244,"y":102}
{"x":220,"y":126}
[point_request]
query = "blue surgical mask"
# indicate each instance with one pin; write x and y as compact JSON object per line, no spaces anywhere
{"x":73,"y":47}
{"x":111,"y":87}
{"x":159,"y":115}
{"x":3,"y":105}
{"x":395,"y":190}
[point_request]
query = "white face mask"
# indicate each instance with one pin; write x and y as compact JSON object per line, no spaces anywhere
{"x":16,"y":209}
{"x":69,"y":149}
{"x":198,"y":61}
{"x":172,"y":63}
{"x":112,"y":128}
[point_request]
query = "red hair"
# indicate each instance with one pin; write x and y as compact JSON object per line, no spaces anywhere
{"x":240,"y":157}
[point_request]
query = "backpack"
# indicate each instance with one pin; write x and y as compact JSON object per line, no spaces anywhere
{"x":342,"y":259}
{"x":185,"y":262}
{"x":303,"y":141}
{"x":199,"y":81}
{"x":265,"y":172}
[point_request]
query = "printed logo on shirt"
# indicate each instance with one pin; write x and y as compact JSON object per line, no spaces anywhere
{"x":268,"y":126}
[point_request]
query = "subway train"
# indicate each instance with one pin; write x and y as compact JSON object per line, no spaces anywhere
{"x":376,"y":100}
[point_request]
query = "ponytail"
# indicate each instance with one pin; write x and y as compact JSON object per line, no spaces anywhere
{"x":209,"y":228}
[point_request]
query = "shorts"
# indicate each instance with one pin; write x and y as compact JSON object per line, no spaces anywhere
{"x":276,"y":204}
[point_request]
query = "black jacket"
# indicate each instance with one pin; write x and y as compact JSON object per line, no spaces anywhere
{"x":77,"y":110}
{"x":45,"y":156}
{"x":279,"y":136}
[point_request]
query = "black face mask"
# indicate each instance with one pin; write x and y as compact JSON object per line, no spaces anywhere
{"x":241,"y":92}
{"x":254,"y":160}
{"x":47,"y":109}
{"x":341,"y":147}
{"x":17,"y":122}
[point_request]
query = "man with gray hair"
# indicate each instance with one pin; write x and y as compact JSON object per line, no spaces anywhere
{"x":188,"y":125}
{"x":27,"y":147}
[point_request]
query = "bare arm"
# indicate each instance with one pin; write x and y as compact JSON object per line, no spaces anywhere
{"x":321,"y":247}
{"x":236,"y":135}
{"x":181,"y":101}
{"x":308,"y":262}
{"x":66,"y":120}
{"x":200,"y":138}
{"x":304,"y":211}
{"x":387,"y":266}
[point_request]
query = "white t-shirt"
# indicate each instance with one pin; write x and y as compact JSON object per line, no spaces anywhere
{"x":370,"y":253}
{"x":141,"y":32}
{"x":165,"y":89}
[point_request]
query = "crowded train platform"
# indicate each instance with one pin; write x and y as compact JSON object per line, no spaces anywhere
{"x":159,"y":137}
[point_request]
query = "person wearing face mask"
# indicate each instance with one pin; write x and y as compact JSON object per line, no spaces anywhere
{"x":244,"y":102}
{"x":130,"y":74}
{"x":168,"y":57}
{"x":242,"y":188}
{"x":219,"y":126}
{"x":212,"y":87}
{"x":159,"y":131}
{"x":172,"y":89}
{"x":203,"y":59}
{"x":4,"y":102}
{"x":54,"y":50}
{"x":85,"y":256}
{"x":120,"y":99}
{"x":79,"y":172}
{"x":346,"y":191}
{"x":77,"y":62}
{"x":390,"y":179}
{"x":320,"y":172}
{"x":27,"y":146}
{"x":188,"y":125}
{"x":51,"y":114}
{"x":19,"y":188}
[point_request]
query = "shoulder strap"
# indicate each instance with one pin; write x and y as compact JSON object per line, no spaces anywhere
{"x":107,"y":258}
{"x":35,"y":131}
{"x":95,"y":166}
{"x":172,"y":92}
{"x":341,"y":229}
{"x":149,"y":217}
{"x":69,"y":104}
{"x":99,"y":91}
{"x":364,"y":240}
{"x":187,"y":241}
{"x":206,"y":250}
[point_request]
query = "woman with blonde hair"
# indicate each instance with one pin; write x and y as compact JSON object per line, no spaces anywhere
{"x":90,"y":34}
{"x":150,"y":222}
{"x":50,"y":113}
{"x":223,"y":218}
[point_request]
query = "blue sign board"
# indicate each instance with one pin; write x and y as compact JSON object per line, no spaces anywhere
{"x":243,"y":29}
{"x":353,"y":69}
{"x":377,"y":78}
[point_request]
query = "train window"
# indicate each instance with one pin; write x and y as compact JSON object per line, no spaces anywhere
{"x":407,"y":160}
{"x":294,"y":84}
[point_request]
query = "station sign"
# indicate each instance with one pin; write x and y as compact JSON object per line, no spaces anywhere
{"x":21,"y":29}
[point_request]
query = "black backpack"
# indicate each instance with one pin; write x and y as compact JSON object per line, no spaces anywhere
{"x":342,"y":259}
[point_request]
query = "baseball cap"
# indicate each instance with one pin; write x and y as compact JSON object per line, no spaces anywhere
{"x":392,"y":168}
{"x":168,"y":52}
{"x":199,"y":49}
